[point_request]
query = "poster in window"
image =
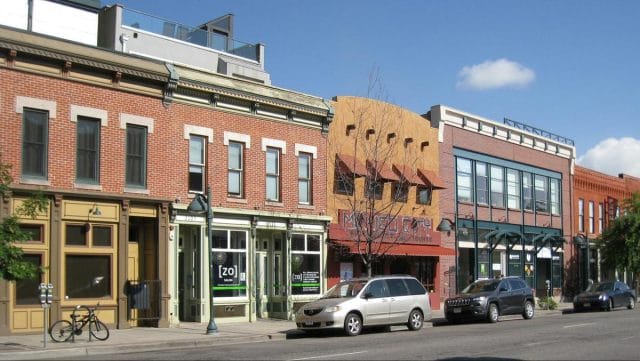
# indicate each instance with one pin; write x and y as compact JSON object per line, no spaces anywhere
{"x":346,"y":271}
{"x":229,"y":274}
{"x":305,"y":274}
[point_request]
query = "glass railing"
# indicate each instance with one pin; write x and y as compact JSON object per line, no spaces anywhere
{"x":220,"y":42}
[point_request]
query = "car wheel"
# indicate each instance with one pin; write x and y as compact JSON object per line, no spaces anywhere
{"x":632,"y":303}
{"x":528,"y":311}
{"x":352,"y":324}
{"x":416,"y":320}
{"x":492,"y":314}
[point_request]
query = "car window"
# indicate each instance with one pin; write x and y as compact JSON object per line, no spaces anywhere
{"x":377,"y":289}
{"x":515,"y":285}
{"x":415,"y":288}
{"x":504,"y":284}
{"x":603,"y":287}
{"x":482,"y":286}
{"x":397,"y":287}
{"x":345,"y":289}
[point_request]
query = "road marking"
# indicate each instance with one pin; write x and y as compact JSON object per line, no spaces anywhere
{"x":328,"y":356}
{"x":579,"y":325}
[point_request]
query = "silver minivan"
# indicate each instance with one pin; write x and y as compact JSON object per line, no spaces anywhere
{"x":363,"y":302}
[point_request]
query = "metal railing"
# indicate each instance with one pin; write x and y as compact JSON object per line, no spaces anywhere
{"x":537,"y":131}
{"x":138,"y":20}
{"x":143,"y":299}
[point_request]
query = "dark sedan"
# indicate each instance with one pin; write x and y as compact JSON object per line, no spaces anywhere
{"x":605,"y":296}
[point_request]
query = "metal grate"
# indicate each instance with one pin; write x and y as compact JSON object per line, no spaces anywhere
{"x":143,"y":299}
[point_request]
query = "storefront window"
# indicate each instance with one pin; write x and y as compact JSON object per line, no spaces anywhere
{"x":556,"y":264}
{"x":230,"y":263}
{"x":88,"y":276}
{"x":27,"y":290}
{"x":515,"y":265}
{"x":305,"y":264}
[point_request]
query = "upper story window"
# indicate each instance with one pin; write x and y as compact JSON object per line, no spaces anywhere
{"x":400,"y":191}
{"x":305,"y":185}
{"x":580,"y":215}
{"x":88,"y":150}
{"x":373,"y":188}
{"x":273,"y":174}
{"x":235,"y":177}
{"x":542,"y":193}
{"x":423,"y":195}
{"x":136,"y":164}
{"x":513,"y":189}
{"x":497,"y":186}
{"x":591,"y":217}
{"x":527,"y":191}
{"x":343,"y":182}
{"x":554,"y":191}
{"x":463,"y":177}
{"x":600,"y":217}
{"x":35,"y":142}
{"x":482,"y":183}
{"x":197,"y":163}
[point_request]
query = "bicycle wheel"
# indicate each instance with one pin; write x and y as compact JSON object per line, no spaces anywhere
{"x":61,"y":331}
{"x":98,"y":330}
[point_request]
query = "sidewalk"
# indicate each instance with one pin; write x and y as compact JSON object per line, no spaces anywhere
{"x":30,"y":347}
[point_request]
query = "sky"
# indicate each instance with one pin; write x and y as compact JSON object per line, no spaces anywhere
{"x":568,"y":67}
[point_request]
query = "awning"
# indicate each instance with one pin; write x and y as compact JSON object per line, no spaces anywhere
{"x":432,"y":178}
{"x":351,"y":164}
{"x":384,"y":170}
{"x":407,"y":173}
{"x":401,"y":249}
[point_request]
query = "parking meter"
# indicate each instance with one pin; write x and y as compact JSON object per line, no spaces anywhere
{"x":49,"y":293}
{"x":43,"y":293}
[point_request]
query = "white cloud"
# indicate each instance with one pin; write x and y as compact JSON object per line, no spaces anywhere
{"x":613,"y":156}
{"x":493,"y":74}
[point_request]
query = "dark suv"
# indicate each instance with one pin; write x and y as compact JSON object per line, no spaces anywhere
{"x":490,"y":298}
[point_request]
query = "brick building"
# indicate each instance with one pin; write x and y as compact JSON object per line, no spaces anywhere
{"x":383,"y":171}
{"x":598,"y":199}
{"x":122,"y":145}
{"x":507,"y":199}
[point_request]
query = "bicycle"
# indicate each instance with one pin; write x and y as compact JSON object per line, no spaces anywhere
{"x":63,"y":330}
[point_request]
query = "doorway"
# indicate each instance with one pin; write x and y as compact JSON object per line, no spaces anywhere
{"x":269,"y":275}
{"x":189,"y":274}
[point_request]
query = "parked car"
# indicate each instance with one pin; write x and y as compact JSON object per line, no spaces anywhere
{"x":605,"y":296}
{"x":491,"y":298}
{"x":362,"y":302}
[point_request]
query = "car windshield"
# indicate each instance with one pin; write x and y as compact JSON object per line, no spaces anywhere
{"x":347,"y":289}
{"x":482,"y":286}
{"x":600,"y":287}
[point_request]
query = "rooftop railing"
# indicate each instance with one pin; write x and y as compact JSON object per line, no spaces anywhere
{"x":537,"y":131}
{"x":212,"y":40}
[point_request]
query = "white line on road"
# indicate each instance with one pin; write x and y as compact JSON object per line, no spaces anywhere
{"x":328,"y":356}
{"x":579,"y":325}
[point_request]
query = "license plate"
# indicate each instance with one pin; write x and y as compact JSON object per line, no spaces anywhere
{"x":586,"y":304}
{"x":457,"y":310}
{"x":308,"y":323}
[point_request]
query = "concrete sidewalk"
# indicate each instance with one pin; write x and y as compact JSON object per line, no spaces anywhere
{"x":140,"y":339}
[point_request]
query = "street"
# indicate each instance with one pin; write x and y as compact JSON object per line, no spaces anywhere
{"x":581,"y":336}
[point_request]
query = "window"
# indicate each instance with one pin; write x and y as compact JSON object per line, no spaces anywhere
{"x":373,"y":188}
{"x":527,"y":191}
{"x":482,"y":183}
{"x":304,"y":178}
{"x":497,"y":186}
{"x":513,"y":189}
{"x":88,"y":150}
{"x":88,"y":235}
{"x":235,"y":169}
{"x":400,"y":192}
{"x":273,"y":174}
{"x":35,"y":232}
{"x":230,"y":263}
{"x":591,"y":217}
{"x":136,"y":167}
{"x":305,"y":264}
{"x":555,"y":196}
{"x":397,"y":287}
{"x":377,"y":289}
{"x":580,"y":215}
{"x":27,"y":289}
{"x":35,"y":134}
{"x":542,"y":193}
{"x":600,"y":217}
{"x":88,"y":276}
{"x":423,"y":195}
{"x":197,"y":162}
{"x":463,"y":176}
{"x":344,"y":183}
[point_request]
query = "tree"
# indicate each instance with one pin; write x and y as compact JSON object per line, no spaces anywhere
{"x":12,"y":265}
{"x":372,"y":146}
{"x":619,"y":244}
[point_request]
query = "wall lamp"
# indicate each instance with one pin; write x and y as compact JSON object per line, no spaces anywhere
{"x":446,"y":225}
{"x":95,"y":211}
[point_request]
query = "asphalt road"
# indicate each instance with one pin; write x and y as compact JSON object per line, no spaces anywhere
{"x":581,"y":336}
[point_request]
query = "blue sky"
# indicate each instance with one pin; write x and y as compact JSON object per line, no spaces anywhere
{"x":569,"y":67}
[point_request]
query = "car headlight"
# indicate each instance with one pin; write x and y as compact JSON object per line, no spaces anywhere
{"x":332,"y":309}
{"x":602,"y":296}
{"x":479,"y":299}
